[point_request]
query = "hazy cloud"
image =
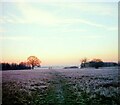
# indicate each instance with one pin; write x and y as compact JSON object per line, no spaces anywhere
{"x":15,"y":38}
{"x":60,"y":1}
{"x":33,"y":15}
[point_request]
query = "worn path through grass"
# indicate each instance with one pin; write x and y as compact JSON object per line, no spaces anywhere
{"x":62,"y":92}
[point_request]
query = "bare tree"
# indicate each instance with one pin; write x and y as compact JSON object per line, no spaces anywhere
{"x":84,"y":60}
{"x":33,"y":61}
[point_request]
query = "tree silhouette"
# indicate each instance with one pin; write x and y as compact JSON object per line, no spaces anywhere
{"x":33,"y":61}
{"x":97,"y":60}
{"x":97,"y":63}
{"x":83,"y":61}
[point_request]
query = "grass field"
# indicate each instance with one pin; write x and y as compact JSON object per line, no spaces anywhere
{"x":86,"y":86}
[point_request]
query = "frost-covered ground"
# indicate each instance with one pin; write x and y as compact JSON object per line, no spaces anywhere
{"x":41,"y":86}
{"x":103,"y":80}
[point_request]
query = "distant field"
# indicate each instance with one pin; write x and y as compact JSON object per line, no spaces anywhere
{"x":86,"y":86}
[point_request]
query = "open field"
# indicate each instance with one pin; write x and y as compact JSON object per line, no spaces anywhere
{"x":86,"y":86}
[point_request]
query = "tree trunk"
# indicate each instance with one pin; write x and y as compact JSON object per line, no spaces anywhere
{"x":32,"y":66}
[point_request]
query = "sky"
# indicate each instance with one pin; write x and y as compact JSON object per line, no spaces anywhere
{"x":59,"y":33}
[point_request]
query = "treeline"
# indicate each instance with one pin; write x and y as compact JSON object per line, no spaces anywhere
{"x":14,"y":66}
{"x":96,"y":63}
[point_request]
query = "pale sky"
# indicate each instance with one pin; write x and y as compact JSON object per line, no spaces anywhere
{"x":59,"y":33}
